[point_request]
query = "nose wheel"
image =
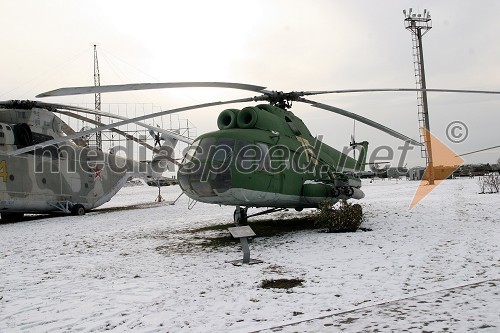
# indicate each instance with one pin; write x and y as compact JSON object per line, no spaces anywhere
{"x":240,"y":216}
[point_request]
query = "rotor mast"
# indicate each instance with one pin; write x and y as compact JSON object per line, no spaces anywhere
{"x":419,"y":24}
{"x":97,"y":83}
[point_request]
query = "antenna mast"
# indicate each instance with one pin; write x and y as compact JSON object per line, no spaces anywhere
{"x":419,"y":25}
{"x":97,"y":83}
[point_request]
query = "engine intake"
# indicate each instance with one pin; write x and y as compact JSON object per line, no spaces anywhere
{"x":228,"y":119}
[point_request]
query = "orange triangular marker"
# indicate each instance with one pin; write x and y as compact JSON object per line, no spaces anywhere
{"x":444,"y":157}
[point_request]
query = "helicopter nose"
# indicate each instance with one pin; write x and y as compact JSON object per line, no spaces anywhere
{"x":204,"y":180}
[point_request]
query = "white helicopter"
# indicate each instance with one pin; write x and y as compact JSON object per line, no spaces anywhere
{"x":66,"y":177}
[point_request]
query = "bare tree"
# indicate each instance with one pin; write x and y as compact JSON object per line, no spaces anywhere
{"x":489,"y":183}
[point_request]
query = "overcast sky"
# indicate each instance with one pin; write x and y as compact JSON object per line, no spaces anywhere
{"x":283,"y":45}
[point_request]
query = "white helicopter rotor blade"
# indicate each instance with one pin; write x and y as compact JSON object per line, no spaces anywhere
{"x":54,"y":107}
{"x":343,"y":91}
{"x":480,"y":150}
{"x":124,"y":122}
{"x":146,"y":86}
{"x":167,"y":133}
{"x":360,"y":119}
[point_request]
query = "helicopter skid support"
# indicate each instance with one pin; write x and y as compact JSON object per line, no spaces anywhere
{"x":240,"y":216}
{"x":268,"y":211}
{"x":175,"y":201}
{"x":63,"y":206}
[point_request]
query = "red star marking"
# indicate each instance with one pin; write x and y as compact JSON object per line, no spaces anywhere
{"x":97,"y":173}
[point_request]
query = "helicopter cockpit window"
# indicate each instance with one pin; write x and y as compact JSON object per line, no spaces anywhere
{"x":199,"y":150}
{"x":224,"y":150}
{"x":220,"y":170}
{"x":253,"y":157}
{"x":206,"y":167}
{"x":204,"y":149}
{"x":191,"y":152}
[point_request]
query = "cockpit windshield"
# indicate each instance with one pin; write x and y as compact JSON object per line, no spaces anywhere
{"x":206,"y":168}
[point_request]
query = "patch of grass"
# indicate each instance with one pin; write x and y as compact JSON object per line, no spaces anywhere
{"x":263,"y":228}
{"x":217,"y":227}
{"x":281,"y":283}
{"x":216,"y":236}
{"x":271,"y":227}
{"x":219,"y":241}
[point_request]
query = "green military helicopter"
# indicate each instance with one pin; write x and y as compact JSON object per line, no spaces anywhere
{"x":263,"y":155}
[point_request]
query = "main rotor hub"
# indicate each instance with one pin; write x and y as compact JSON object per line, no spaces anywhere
{"x":281,"y":99}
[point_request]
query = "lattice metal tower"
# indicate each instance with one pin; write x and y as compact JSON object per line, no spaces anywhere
{"x":97,"y":82}
{"x":419,"y":24}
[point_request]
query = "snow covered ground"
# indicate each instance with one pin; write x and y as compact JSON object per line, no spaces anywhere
{"x":434,"y":268}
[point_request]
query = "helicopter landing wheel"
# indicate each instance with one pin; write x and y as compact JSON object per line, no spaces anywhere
{"x":78,"y":210}
{"x":349,"y":191}
{"x":335,"y":192}
{"x":240,"y":216}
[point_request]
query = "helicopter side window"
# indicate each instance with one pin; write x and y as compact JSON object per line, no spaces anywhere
{"x":265,"y":160}
{"x":253,"y":157}
{"x":247,"y":158}
{"x":224,"y":150}
{"x":204,"y":148}
{"x":292,"y":126}
{"x":220,"y":172}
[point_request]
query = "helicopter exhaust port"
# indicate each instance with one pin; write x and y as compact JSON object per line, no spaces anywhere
{"x":254,"y":117}
{"x":23,"y":135}
{"x":228,"y":119}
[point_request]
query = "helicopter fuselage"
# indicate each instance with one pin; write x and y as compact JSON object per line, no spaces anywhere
{"x":54,"y":178}
{"x":265,"y":156}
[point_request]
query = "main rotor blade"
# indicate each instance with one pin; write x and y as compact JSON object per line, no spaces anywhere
{"x":54,"y":107}
{"x":361,"y":119}
{"x":122,"y":133}
{"x":478,"y":151}
{"x":146,"y":86}
{"x":343,"y":91}
{"x":125,"y":122}
{"x":106,"y":114}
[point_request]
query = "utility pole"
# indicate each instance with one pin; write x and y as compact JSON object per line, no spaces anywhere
{"x":97,"y":83}
{"x":419,"y":24}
